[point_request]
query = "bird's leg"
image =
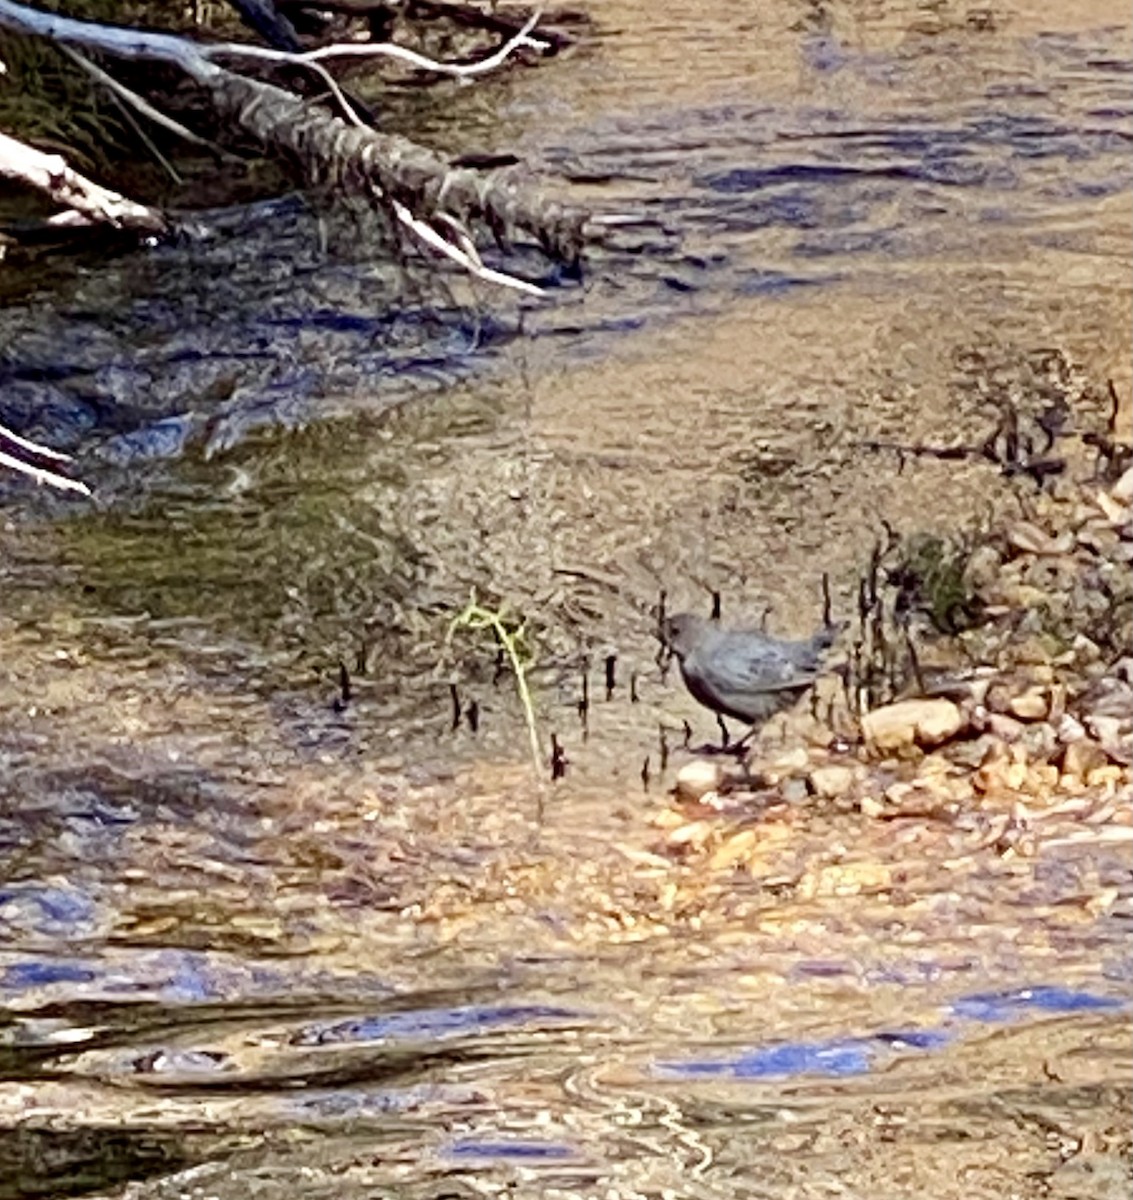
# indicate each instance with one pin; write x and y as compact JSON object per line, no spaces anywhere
{"x":740,"y":748}
{"x":727,"y":746}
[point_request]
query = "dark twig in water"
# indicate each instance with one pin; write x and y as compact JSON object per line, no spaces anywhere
{"x":716,"y":606}
{"x":633,"y":696}
{"x":664,"y":658}
{"x":920,"y":575}
{"x":501,"y":666}
{"x":645,"y":774}
{"x":1006,"y":446}
{"x":559,"y":760}
{"x":827,"y":606}
{"x":584,"y":701}
{"x":611,"y":680}
{"x":454,"y":696}
{"x":663,"y":742}
{"x":345,"y":692}
{"x":472,"y":714}
{"x":725,"y":738}
{"x":688,"y":734}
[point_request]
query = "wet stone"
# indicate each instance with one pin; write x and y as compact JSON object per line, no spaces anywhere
{"x":1070,"y":729}
{"x":791,"y":762}
{"x":972,"y":753}
{"x":694,"y":834}
{"x":1040,"y":740}
{"x":1115,"y":735}
{"x":1117,"y":512}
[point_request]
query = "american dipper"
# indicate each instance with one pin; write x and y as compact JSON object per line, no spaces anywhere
{"x":743,"y":673}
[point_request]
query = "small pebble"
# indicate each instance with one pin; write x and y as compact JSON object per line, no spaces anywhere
{"x":1032,"y":705}
{"x":794,"y":791}
{"x":695,"y":834}
{"x":1122,"y":490}
{"x":871,"y":807}
{"x":1032,"y":540}
{"x":832,"y":781}
{"x":792,"y":761}
{"x":697,"y":778}
{"x":1117,"y":513}
{"x":1070,"y":729}
{"x":736,"y":849}
{"x":1115,"y":735}
{"x":1004,"y":727}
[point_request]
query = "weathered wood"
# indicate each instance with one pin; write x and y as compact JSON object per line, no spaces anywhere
{"x":355,"y":159}
{"x":85,"y":201}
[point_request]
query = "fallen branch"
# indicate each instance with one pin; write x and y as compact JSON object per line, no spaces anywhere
{"x":86,"y":202}
{"x":357,"y":159}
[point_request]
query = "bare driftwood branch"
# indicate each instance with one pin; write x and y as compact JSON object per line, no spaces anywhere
{"x":388,"y":50}
{"x":85,"y":202}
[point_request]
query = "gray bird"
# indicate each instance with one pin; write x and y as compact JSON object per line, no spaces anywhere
{"x":743,"y":673}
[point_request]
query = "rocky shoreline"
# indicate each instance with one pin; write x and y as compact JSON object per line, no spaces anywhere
{"x":1025,"y":741}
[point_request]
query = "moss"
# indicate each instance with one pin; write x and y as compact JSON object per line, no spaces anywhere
{"x":931,"y":577}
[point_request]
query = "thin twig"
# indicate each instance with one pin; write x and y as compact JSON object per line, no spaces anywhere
{"x":383,"y":49}
{"x":134,"y":100}
{"x":41,"y":475}
{"x":430,"y":237}
{"x":32,"y":447}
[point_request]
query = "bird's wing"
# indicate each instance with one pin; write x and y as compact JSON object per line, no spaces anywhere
{"x":735,"y":665}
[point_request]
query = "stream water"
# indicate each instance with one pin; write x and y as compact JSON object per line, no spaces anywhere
{"x":252,"y":937}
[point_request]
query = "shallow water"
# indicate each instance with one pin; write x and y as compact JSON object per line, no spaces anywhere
{"x":252,"y":938}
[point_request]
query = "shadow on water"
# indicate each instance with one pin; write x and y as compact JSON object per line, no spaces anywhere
{"x":256,"y":933}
